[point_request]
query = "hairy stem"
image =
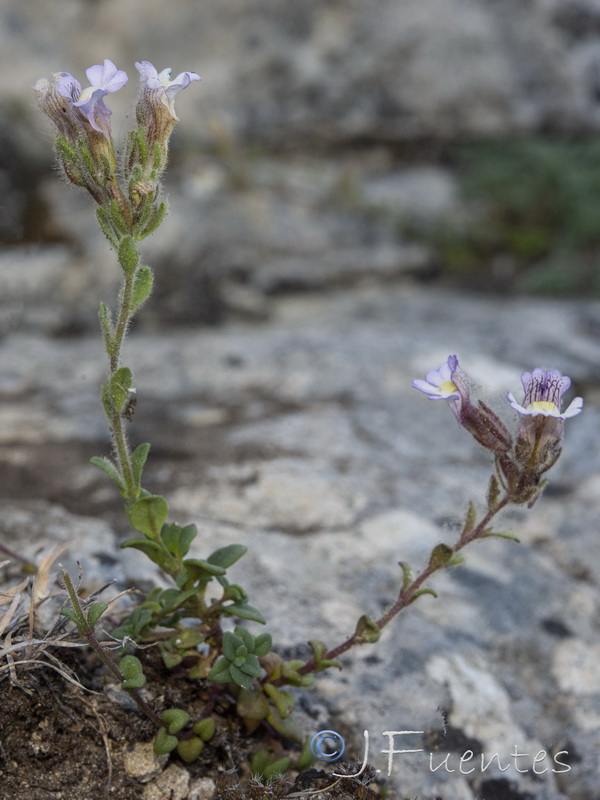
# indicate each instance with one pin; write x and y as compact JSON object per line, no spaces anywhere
{"x":408,"y":594}
{"x":115,"y":420}
{"x":86,"y":630}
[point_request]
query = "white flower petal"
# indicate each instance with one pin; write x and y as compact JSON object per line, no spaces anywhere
{"x":574,"y":408}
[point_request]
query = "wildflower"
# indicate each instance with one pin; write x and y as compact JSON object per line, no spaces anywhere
{"x":155,"y":113}
{"x":539,"y":439}
{"x":543,"y":395}
{"x":53,"y":104}
{"x":159,"y":83}
{"x":450,"y":383}
{"x":84,"y":144}
{"x":90,"y":102}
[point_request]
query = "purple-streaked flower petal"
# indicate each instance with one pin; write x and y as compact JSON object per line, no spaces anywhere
{"x":544,"y":390}
{"x":67,"y":85}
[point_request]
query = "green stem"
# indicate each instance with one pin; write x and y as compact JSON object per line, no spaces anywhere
{"x":87,"y":632}
{"x":115,"y":421}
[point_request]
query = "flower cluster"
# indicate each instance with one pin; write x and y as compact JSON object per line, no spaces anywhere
{"x":128,"y":196}
{"x":522,"y":459}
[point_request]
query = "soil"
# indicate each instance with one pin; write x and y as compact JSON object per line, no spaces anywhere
{"x":58,"y":742}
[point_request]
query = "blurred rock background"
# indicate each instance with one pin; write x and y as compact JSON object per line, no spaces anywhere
{"x":356,"y":190}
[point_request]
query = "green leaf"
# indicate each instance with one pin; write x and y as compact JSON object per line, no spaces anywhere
{"x":250,"y":665}
{"x":233,"y":592}
{"x":142,"y":286}
{"x":284,"y":701}
{"x":70,"y":614}
{"x":252,"y":704}
{"x":138,"y":460}
{"x":134,"y":624}
{"x":230,"y":645}
{"x":246,"y":637}
{"x":278,"y":767}
{"x":117,"y":218}
{"x":110,"y":469}
{"x":164,"y":743}
{"x":501,"y":535}
{"x":153,"y":550}
{"x":259,"y":762}
{"x":262,"y":644}
{"x":176,"y":719}
{"x":178,"y":540}
{"x":106,"y":226}
{"x":420,"y":592}
{"x":407,"y":574}
{"x":171,"y":660}
{"x":142,"y":147}
{"x":306,"y":758}
{"x":239,"y":677}
{"x":148,"y":515}
{"x":95,"y":611}
{"x":190,"y":749}
{"x":156,"y":219}
{"x":220,"y":672}
{"x":493,"y":493}
{"x":319,"y":649}
{"x":226,"y":556}
{"x":131,"y":667}
{"x":291,"y":676}
{"x":470,"y":519}
{"x":129,"y":257}
{"x":289,"y":727}
{"x":205,"y":729}
{"x":198,"y":568}
{"x":244,"y":611}
{"x":440,"y":556}
{"x":367,"y":631}
{"x":171,"y":599}
{"x":115,"y":392}
{"x":108,"y":328}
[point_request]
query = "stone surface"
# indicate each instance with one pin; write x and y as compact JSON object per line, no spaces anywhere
{"x":142,"y":764}
{"x":301,"y":437}
{"x":172,"y":783}
{"x":335,"y":71}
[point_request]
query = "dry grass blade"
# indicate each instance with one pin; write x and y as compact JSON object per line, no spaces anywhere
{"x":6,"y":595}
{"x":15,"y":593}
{"x":43,"y":573}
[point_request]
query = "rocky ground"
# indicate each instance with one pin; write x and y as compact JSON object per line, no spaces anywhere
{"x":297,"y":296}
{"x":301,"y":437}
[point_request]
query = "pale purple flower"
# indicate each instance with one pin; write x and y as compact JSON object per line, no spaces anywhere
{"x":543,"y":395}
{"x":103,"y":78}
{"x":160,"y":86}
{"x":448,"y":382}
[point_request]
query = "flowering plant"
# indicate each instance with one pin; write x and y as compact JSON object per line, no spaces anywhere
{"x":185,"y":621}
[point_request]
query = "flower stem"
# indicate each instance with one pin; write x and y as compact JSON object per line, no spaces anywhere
{"x":115,"y":420}
{"x":408,"y":594}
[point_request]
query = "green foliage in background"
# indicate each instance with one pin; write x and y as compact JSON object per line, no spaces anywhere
{"x":533,"y":220}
